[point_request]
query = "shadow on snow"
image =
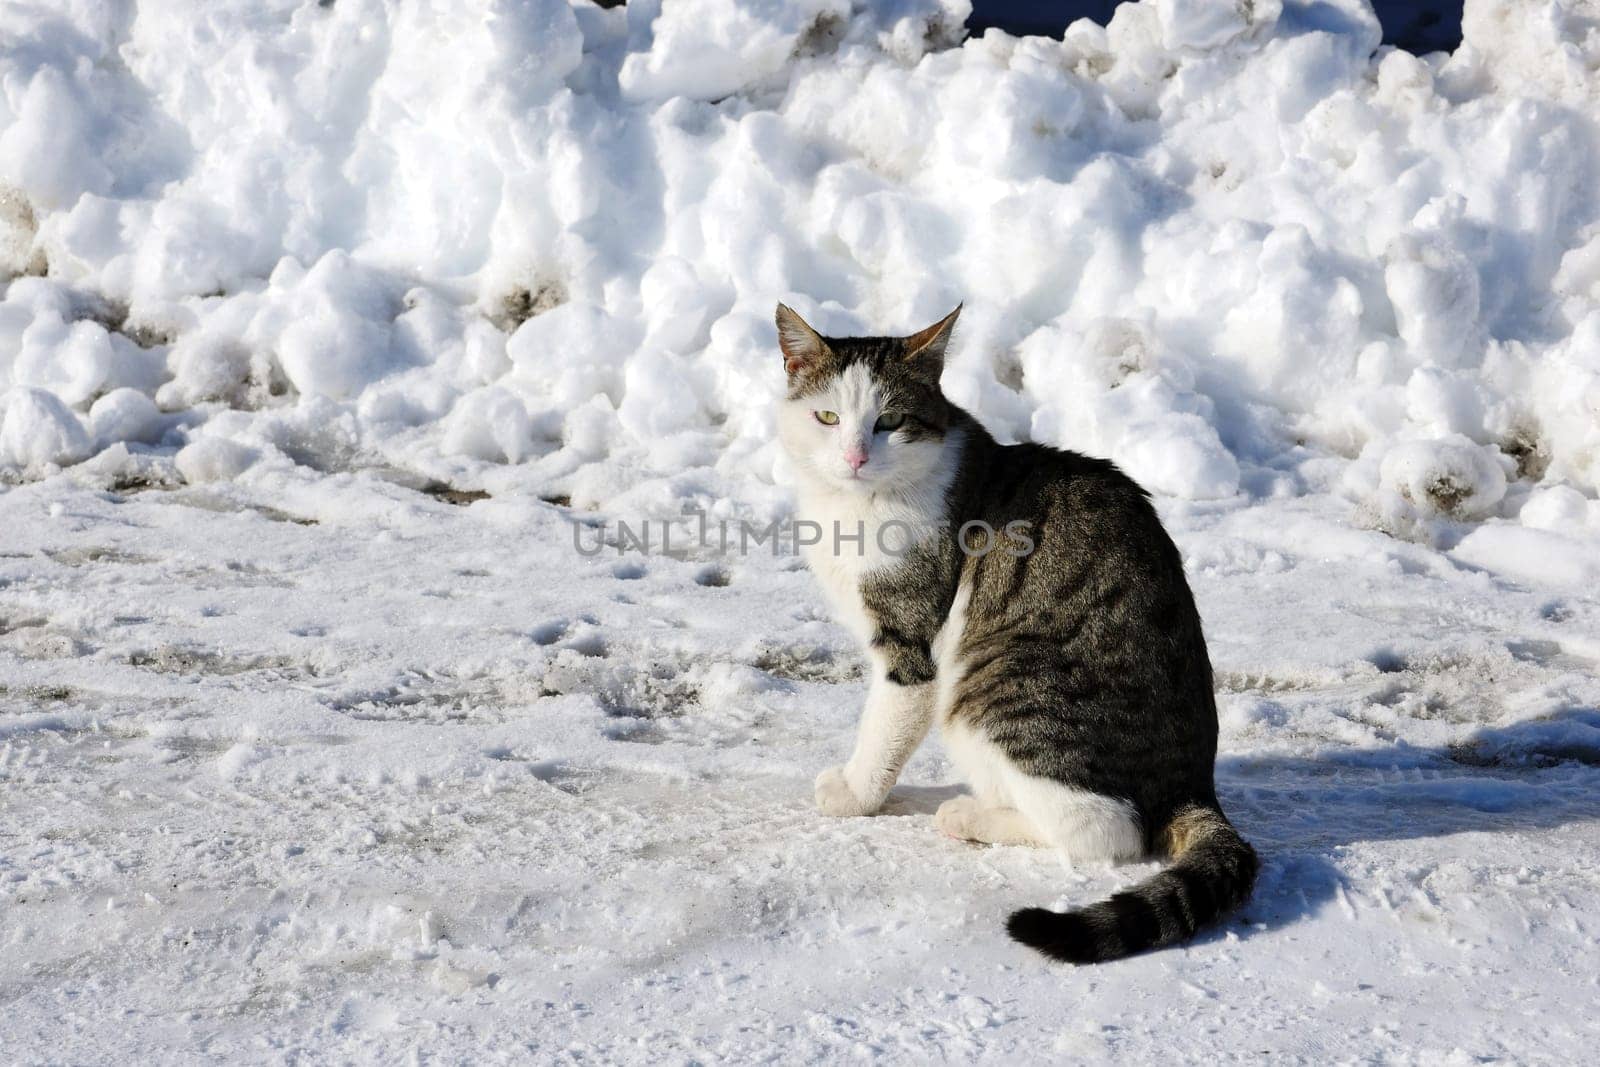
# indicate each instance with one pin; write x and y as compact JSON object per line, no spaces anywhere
{"x":1301,"y":811}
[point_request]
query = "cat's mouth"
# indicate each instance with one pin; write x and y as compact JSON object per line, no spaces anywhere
{"x":860,"y":481}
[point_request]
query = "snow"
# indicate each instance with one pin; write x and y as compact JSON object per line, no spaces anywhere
{"x":302,"y":759}
{"x":126,"y":415}
{"x":1188,"y":240}
{"x":321,"y":767}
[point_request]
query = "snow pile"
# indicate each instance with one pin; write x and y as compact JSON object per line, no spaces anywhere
{"x":1446,"y":478}
{"x":1238,"y":248}
{"x":38,"y":430}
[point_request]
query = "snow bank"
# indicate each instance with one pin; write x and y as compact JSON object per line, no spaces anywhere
{"x":1237,"y":248}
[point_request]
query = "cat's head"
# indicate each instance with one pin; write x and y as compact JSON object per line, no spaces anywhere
{"x":864,"y":414}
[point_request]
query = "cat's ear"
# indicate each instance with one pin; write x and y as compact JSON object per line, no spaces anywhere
{"x":803,"y":347}
{"x":926,"y":347}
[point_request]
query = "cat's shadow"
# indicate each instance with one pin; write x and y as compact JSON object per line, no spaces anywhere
{"x":1301,"y":811}
{"x":919,"y":799}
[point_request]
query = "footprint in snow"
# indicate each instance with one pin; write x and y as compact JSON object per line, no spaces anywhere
{"x":548,"y":633}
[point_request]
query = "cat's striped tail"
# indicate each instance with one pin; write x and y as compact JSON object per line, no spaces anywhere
{"x":1212,"y":873}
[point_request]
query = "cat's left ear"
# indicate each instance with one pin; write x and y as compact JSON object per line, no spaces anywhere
{"x":926,"y":347}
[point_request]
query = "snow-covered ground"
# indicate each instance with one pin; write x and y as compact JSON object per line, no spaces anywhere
{"x":323,"y":324}
{"x":418,"y":775}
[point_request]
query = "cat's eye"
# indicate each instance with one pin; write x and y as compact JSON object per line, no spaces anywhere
{"x":889,"y":420}
{"x":827,"y":418}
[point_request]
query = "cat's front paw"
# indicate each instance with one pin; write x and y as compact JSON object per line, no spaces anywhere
{"x":835,"y":797}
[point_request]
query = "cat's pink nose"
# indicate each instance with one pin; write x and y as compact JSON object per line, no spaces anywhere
{"x":856,"y":457}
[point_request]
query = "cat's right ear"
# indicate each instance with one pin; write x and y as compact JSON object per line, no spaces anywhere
{"x":803,"y":347}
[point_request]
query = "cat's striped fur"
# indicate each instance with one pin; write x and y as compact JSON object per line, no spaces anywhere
{"x":1070,"y":682}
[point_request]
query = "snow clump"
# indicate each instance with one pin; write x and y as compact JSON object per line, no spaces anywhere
{"x":1239,"y":249}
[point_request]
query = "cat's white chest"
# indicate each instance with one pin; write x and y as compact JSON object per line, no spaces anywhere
{"x":856,"y":535}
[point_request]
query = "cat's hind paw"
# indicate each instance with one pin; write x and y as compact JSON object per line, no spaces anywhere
{"x":965,"y":819}
{"x":835,"y":797}
{"x":956,"y":816}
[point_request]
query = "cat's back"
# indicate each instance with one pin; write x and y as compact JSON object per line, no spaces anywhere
{"x":1081,"y":500}
{"x":1092,"y":557}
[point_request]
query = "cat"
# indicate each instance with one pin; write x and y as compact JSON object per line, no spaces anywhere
{"x":1066,"y":668}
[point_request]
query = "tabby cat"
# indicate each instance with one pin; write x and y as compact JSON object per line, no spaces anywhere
{"x":1065,"y":665}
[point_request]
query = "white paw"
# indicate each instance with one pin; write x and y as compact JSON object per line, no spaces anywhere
{"x":835,"y":797}
{"x":955,"y":817}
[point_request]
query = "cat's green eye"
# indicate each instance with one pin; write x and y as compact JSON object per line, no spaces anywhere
{"x":890,"y":420}
{"x":827,"y":418}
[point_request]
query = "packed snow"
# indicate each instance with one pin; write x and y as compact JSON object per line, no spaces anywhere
{"x":341,"y":719}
